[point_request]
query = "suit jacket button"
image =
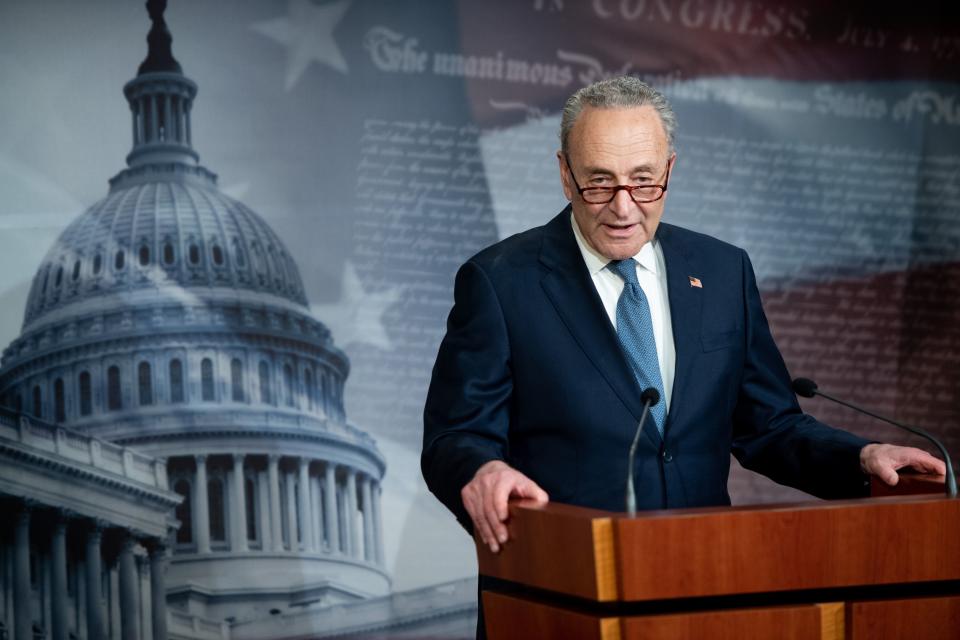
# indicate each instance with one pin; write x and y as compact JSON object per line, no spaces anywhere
{"x":667,"y":456}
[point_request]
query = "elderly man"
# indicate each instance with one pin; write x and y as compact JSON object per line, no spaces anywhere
{"x":556,"y":331}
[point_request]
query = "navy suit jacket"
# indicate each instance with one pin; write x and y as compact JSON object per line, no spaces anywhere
{"x":531,"y":372}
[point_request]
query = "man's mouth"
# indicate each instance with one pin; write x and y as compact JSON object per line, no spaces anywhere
{"x":618,"y":228}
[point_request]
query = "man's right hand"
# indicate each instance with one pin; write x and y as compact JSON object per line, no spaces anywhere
{"x":485,"y":499}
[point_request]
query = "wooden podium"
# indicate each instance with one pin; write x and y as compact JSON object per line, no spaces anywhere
{"x":872,"y":569}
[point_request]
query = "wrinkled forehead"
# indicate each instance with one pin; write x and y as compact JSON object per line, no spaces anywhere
{"x":634,"y":135}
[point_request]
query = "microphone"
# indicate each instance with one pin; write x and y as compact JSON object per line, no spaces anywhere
{"x":807,"y":388}
{"x":650,"y":397}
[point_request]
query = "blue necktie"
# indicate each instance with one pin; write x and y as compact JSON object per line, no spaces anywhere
{"x":635,"y":330}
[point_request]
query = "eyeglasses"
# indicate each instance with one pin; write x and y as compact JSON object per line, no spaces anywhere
{"x":641,"y":193}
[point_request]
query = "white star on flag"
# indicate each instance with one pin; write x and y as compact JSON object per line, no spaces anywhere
{"x":307,"y":33}
{"x":358,"y":316}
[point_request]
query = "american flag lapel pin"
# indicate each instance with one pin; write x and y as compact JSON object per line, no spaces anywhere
{"x":695,"y":282}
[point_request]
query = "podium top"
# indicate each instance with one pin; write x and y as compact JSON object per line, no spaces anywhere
{"x":719,"y":551}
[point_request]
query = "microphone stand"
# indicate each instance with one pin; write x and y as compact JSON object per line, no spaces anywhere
{"x":808,"y":388}
{"x":650,"y":396}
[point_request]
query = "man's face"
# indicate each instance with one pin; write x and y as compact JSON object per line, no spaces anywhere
{"x":610,"y":147}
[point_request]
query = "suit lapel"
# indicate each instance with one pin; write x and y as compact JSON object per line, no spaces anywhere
{"x":568,"y":285}
{"x":686,"y":302}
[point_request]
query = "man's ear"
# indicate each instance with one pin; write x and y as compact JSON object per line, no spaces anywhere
{"x":565,"y":180}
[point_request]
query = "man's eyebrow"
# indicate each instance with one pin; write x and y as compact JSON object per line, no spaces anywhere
{"x":595,"y":170}
{"x":643,"y":168}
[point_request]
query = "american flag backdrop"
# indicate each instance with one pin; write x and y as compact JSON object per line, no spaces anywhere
{"x":387,"y":141}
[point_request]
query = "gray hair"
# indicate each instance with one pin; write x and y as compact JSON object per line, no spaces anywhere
{"x":612,"y":93}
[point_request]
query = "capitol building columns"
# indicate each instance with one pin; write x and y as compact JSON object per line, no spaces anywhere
{"x":368,"y":533}
{"x":201,"y":518}
{"x":21,"y":572}
{"x":351,"y":519}
{"x":377,"y":523}
{"x":276,"y":525}
{"x":76,"y":576}
{"x":276,"y":503}
{"x":291,"y":510}
{"x":372,"y":526}
{"x":58,"y":578}
{"x":239,"y":506}
{"x":129,"y":602}
{"x":91,"y":577}
{"x":94,"y":582}
{"x":144,"y":620}
{"x":306,"y":507}
{"x":316,"y":500}
{"x":158,"y":594}
{"x":330,"y":513}
{"x":169,"y":376}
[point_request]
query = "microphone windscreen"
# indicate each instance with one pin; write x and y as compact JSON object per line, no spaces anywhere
{"x":804,"y":387}
{"x":650,"y":395}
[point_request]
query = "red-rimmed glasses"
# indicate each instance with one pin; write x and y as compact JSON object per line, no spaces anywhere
{"x":641,"y":193}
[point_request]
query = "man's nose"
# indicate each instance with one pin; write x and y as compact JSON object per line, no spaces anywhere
{"x":622,"y":203}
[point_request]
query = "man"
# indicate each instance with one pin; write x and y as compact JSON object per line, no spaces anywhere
{"x":556,"y":331}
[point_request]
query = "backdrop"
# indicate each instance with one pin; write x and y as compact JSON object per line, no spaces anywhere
{"x":386,"y":142}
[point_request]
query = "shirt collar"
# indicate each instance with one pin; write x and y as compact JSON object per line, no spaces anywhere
{"x":596,"y":263}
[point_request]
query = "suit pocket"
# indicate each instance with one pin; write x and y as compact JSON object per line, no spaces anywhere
{"x":720,"y":340}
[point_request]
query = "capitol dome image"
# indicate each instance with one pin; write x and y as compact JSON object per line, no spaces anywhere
{"x":169,"y":322}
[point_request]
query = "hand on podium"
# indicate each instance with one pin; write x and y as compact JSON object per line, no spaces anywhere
{"x":485,"y":498}
{"x":883,"y":461}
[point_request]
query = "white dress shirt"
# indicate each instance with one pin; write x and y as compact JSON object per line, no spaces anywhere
{"x":652,"y":274}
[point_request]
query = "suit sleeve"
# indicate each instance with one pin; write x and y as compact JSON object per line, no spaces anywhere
{"x":772,"y":435}
{"x":467,"y":412}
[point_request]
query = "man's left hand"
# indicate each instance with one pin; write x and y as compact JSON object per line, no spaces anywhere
{"x":883,"y":460}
